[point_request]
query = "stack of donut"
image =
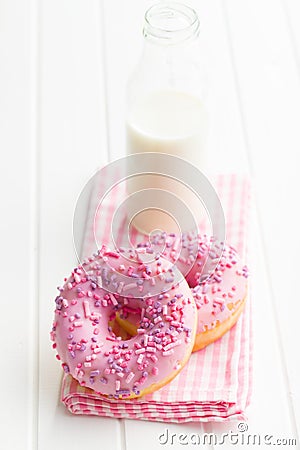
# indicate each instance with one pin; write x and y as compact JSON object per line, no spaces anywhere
{"x":127,"y":321}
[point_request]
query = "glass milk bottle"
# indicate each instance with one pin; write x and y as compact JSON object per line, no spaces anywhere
{"x":165,"y":97}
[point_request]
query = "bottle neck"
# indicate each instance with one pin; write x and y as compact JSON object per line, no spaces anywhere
{"x":170,"y":24}
{"x":170,"y":59}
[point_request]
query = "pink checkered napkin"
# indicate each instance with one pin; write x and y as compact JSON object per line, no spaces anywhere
{"x":215,"y":385}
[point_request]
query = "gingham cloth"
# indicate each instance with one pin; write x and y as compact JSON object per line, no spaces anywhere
{"x":215,"y":385}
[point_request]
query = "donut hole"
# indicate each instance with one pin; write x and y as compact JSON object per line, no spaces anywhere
{"x":118,"y":330}
{"x":125,"y":326}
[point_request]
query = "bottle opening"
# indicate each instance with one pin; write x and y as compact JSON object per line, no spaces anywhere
{"x":171,"y":22}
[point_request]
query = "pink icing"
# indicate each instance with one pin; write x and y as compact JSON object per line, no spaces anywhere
{"x":90,"y":297}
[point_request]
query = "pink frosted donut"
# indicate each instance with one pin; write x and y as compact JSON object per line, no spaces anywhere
{"x":220,"y":299}
{"x":112,"y":283}
{"x":215,"y":272}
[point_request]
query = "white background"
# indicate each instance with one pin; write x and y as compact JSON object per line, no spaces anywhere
{"x":63,"y":67}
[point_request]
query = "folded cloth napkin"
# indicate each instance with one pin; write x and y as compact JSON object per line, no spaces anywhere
{"x":215,"y":385}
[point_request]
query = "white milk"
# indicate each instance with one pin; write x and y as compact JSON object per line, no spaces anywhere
{"x":170,"y":122}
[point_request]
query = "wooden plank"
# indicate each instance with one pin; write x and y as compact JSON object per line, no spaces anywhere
{"x":269,"y":89}
{"x":73,"y":144}
{"x":19,"y":256}
{"x":292,"y":10}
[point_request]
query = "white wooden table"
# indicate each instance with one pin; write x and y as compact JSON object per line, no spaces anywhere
{"x":63,"y":67}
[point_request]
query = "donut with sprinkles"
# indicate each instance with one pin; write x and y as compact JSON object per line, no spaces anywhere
{"x":215,"y":273}
{"x":110,"y":284}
